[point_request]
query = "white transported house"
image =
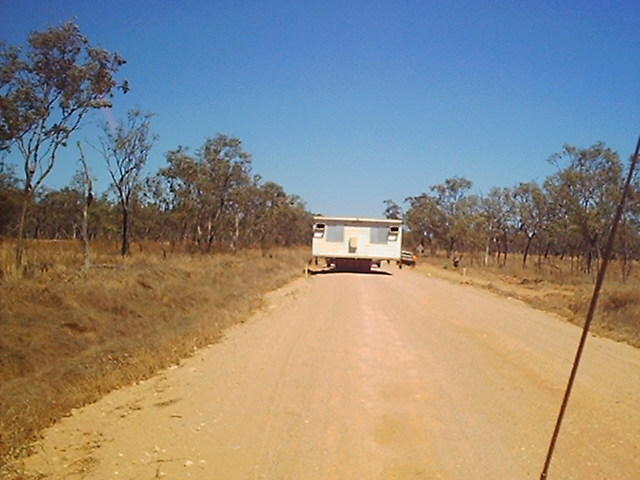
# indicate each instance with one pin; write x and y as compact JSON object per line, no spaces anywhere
{"x":356,"y":243}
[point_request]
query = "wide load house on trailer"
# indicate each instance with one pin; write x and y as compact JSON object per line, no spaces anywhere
{"x":356,"y":243}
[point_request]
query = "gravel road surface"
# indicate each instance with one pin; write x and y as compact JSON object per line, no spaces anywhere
{"x":368,"y":376}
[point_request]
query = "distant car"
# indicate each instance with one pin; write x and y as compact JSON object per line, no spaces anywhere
{"x":407,"y":258}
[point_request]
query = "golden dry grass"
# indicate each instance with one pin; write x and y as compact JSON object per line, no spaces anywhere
{"x":67,"y":336}
{"x":556,"y":286}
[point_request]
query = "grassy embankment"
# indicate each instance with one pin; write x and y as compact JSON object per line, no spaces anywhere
{"x":555,"y":287}
{"x":67,"y":337}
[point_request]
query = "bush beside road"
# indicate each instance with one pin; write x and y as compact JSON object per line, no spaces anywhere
{"x":67,"y":337}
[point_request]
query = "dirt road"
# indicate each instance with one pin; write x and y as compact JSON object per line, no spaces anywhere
{"x":352,"y":376}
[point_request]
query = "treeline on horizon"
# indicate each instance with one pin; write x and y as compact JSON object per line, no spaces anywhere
{"x":569,"y":215}
{"x":204,"y":201}
{"x":210,"y":200}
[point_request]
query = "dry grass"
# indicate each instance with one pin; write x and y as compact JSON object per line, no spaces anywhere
{"x":67,"y":337}
{"x":558,"y":287}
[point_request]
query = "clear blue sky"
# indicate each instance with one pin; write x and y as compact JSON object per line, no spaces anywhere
{"x":350,"y":103}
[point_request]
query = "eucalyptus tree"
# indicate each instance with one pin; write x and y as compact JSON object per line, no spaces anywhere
{"x":225,"y":168}
{"x":57,"y":214}
{"x":104,"y":218}
{"x":205,"y":188}
{"x":628,"y":239}
{"x":126,"y":149}
{"x":84,"y":181}
{"x":9,"y":198}
{"x":242,"y":215}
{"x":45,"y":92}
{"x":155,"y":217}
{"x":443,"y":217}
{"x":498,"y":212}
{"x":272,"y":203}
{"x":425,"y":219}
{"x":450,"y":198}
{"x":392,"y":210}
{"x":282,"y":219}
{"x":296,"y":222}
{"x":585,"y":189}
{"x":179,"y":182}
{"x":466,"y":228}
{"x":531,"y":209}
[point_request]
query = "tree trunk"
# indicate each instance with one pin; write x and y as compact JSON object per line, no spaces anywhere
{"x":593,"y":254}
{"x":210,"y":234}
{"x":236,"y":233}
{"x":505,"y":248}
{"x":598,"y":254}
{"x":184,"y":235}
{"x":486,"y":252}
{"x":197,"y":234}
{"x":526,"y":250}
{"x":626,"y":265}
{"x":85,"y":234}
{"x":433,"y":249}
{"x":88,"y":197}
{"x":20,"y":243}
{"x":212,"y":228}
{"x":125,"y":232}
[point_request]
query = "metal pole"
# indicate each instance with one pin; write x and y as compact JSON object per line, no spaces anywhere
{"x":592,"y":308}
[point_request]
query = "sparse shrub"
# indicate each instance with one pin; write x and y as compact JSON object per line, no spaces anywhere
{"x":621,"y":297}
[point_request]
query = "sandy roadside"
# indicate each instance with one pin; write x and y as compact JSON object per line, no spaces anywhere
{"x":367,"y":376}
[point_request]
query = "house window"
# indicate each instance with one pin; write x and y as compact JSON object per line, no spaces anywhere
{"x":378,"y":234}
{"x":335,"y":233}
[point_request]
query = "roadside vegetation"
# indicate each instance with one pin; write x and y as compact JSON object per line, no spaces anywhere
{"x":100,"y":289}
{"x":542,"y":243}
{"x":69,"y":336}
{"x":207,"y":200}
{"x":556,"y":288}
{"x":567,"y":218}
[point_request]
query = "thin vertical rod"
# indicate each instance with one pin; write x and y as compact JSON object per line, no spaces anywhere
{"x":592,"y":308}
